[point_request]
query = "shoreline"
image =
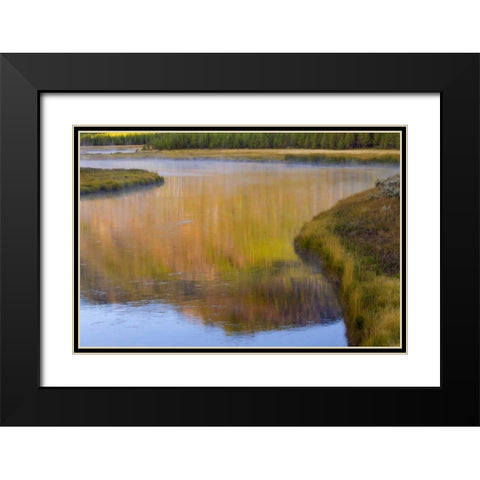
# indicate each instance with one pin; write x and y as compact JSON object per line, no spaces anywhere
{"x":358,"y":242}
{"x":274,"y":153}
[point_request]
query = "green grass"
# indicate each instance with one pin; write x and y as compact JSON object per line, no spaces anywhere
{"x":99,"y":180}
{"x":358,"y":240}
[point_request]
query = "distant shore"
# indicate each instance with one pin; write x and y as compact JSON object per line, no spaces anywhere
{"x":277,"y":153}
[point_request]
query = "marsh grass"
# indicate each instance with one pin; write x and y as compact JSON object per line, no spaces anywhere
{"x":98,"y":180}
{"x":285,"y":153}
{"x":263,"y":154}
{"x":358,"y":240}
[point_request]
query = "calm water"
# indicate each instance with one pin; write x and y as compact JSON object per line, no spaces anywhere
{"x":107,"y":150}
{"x":207,"y":259}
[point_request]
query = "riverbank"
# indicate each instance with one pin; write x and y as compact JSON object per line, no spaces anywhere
{"x":99,"y":180}
{"x":358,"y":240}
{"x":390,"y":155}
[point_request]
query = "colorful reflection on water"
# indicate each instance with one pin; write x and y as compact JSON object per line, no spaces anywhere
{"x":207,"y":259}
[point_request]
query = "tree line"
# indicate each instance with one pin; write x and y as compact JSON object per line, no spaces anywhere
{"x":200,"y":140}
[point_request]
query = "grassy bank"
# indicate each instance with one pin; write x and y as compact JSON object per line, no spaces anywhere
{"x":96,"y":180}
{"x":284,"y":153}
{"x":358,"y":240}
{"x":391,"y":155}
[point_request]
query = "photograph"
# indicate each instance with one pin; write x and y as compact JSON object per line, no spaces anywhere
{"x":271,"y":239}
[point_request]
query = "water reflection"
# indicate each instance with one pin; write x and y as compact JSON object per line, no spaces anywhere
{"x":213,"y":249}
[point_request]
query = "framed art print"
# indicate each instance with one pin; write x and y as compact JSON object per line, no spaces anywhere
{"x":208,"y":246}
{"x":238,"y":241}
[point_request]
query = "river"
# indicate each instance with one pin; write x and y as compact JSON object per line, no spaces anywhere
{"x":207,"y":259}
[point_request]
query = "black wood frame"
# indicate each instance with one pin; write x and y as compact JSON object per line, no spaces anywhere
{"x":23,"y":77}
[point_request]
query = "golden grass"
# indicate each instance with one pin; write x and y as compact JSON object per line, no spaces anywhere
{"x":274,"y":153}
{"x":358,"y":240}
{"x":282,"y":152}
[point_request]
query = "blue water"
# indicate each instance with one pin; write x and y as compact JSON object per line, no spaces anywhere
{"x":154,"y":323}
